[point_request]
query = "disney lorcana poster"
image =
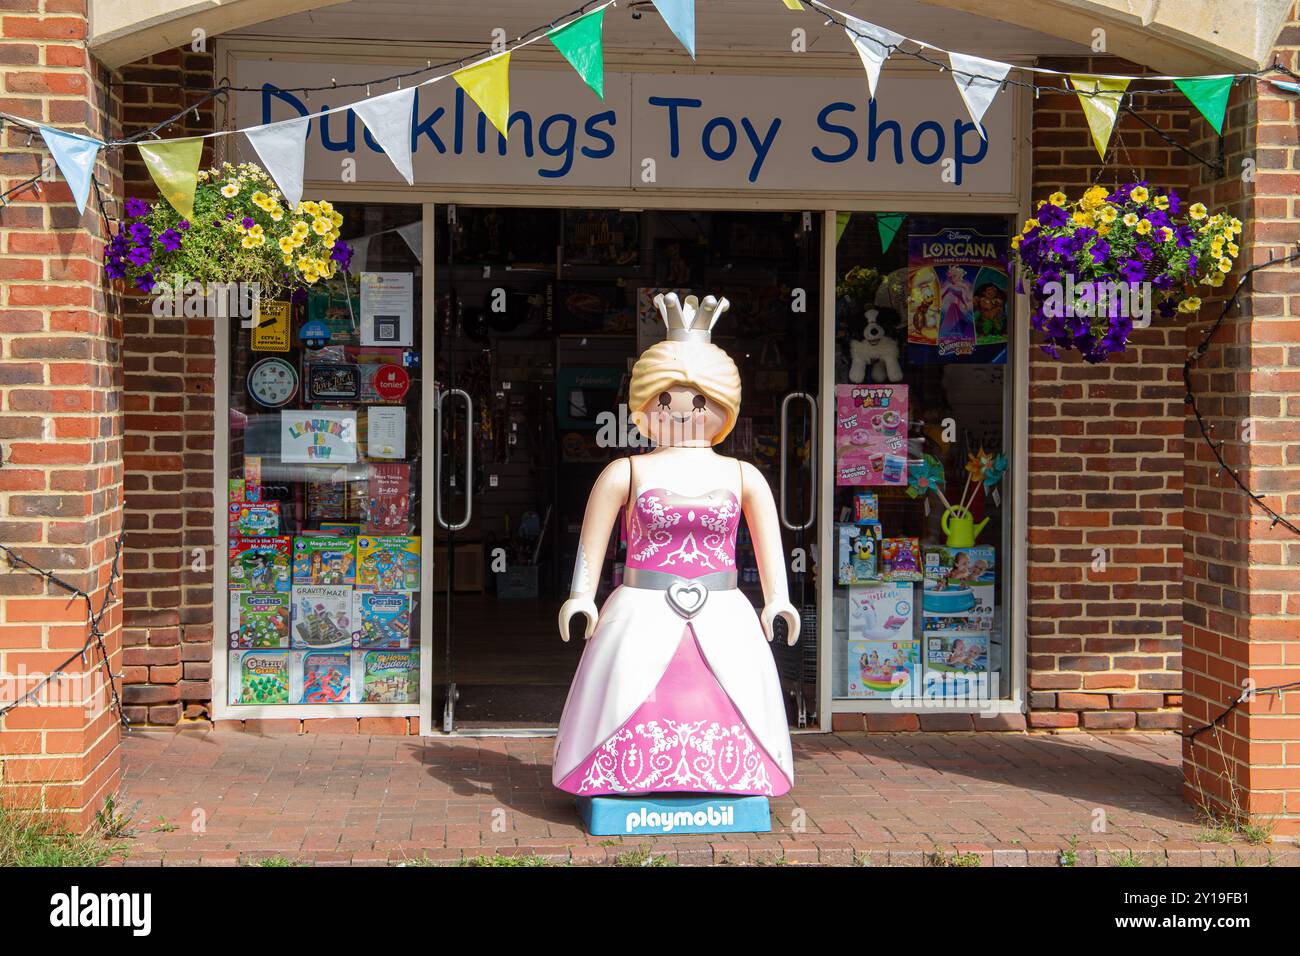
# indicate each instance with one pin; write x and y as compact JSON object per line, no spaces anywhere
{"x":870,"y":435}
{"x":959,"y":293}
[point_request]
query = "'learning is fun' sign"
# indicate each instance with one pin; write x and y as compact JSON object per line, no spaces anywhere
{"x":318,"y":437}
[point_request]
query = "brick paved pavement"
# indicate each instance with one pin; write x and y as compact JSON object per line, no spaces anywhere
{"x":1010,"y":799}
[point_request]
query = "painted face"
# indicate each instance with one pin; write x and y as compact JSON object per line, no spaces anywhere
{"x":683,"y":416}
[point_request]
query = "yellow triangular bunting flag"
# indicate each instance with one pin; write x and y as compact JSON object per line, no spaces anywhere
{"x":793,"y":4}
{"x":488,"y":85}
{"x":174,"y":166}
{"x":1099,"y":96}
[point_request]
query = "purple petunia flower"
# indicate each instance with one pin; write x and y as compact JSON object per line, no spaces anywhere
{"x":183,"y":225}
{"x":170,"y":240}
{"x":247,"y":222}
{"x":1051,"y":215}
{"x":145,"y":282}
{"x":140,"y":256}
{"x":1100,"y":251}
{"x":342,"y":254}
{"x":136,"y":207}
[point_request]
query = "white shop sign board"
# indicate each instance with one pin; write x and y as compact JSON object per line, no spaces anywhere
{"x":702,"y":131}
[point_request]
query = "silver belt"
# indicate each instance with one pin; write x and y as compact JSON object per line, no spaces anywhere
{"x":686,"y":596}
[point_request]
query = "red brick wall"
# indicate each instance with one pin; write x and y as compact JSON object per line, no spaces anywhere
{"x":1241,"y":587}
{"x":1106,"y":467}
{"x":60,"y":421}
{"x":168,"y":406}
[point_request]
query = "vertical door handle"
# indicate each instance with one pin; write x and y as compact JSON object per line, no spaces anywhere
{"x":469,"y":458}
{"x":789,"y":524}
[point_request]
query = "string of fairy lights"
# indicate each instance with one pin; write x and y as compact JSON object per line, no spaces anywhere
{"x":95,"y":635}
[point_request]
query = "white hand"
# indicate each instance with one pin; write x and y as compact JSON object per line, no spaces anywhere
{"x":786,"y":611}
{"x":578,"y":605}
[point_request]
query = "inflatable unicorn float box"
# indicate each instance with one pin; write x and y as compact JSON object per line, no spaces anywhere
{"x":675,"y":720}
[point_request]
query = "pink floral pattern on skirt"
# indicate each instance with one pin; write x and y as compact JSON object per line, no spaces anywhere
{"x":687,"y":736}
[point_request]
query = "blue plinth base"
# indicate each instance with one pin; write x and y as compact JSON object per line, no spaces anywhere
{"x":674,"y":813}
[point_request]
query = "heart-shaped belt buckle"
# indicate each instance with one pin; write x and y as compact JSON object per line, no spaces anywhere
{"x":687,"y":597}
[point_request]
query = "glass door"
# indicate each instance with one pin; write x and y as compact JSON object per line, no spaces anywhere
{"x":541,"y":314}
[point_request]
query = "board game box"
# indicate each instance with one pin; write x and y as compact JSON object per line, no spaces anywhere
{"x":324,"y":559}
{"x":322,"y":616}
{"x":259,"y":677}
{"x":320,"y":677}
{"x":388,"y":563}
{"x":259,"y":619}
{"x":390,"y":677}
{"x":254,"y":519}
{"x":382,"y":619}
{"x":259,"y":564}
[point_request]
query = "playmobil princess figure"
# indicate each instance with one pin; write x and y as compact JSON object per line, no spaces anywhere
{"x":677,"y":691}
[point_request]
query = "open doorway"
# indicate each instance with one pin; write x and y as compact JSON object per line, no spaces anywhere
{"x":540,"y":315}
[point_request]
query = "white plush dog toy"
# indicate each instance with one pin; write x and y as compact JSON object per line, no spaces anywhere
{"x":876,"y":348}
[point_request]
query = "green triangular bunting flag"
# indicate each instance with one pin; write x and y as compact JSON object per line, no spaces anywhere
{"x":1209,"y":94}
{"x":888,"y":224}
{"x":841,"y":223}
{"x":580,"y":43}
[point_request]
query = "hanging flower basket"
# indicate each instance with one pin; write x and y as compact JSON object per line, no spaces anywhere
{"x":1095,"y":266}
{"x":241,"y":231}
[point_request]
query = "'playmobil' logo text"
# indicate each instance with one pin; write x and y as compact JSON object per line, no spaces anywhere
{"x":640,"y":820}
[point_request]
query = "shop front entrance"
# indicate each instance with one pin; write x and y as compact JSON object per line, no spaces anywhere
{"x":539,"y":315}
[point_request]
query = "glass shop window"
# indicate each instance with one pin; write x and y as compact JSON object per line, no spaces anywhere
{"x":923,"y":306}
{"x":324,"y":533}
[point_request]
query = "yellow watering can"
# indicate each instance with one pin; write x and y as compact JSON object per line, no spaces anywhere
{"x":960,"y":527}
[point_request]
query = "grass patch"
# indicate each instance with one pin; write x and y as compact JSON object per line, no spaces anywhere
{"x":499,"y":859}
{"x":1070,"y":855}
{"x":940,"y":859}
{"x":277,"y":861}
{"x":40,"y":838}
{"x":641,"y":856}
{"x":1127,"y":858}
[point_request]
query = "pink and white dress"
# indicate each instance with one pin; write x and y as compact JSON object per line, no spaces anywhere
{"x":674,"y":695}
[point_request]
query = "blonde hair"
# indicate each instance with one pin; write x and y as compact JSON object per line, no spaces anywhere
{"x":700,"y":365}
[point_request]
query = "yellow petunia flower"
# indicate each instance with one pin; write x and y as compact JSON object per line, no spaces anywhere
{"x":1197,"y":211}
{"x":336,"y":218}
{"x":1143,"y":227}
{"x":1094,"y":197}
{"x":255,"y":230}
{"x":1029,"y":224}
{"x":1214,"y":279}
{"x":1166,"y":233}
{"x":1161,"y":202}
{"x":304,"y":264}
{"x":230,"y":190}
{"x":288,"y":259}
{"x":1082,"y":217}
{"x":1057,"y":199}
{"x":1130,"y":220}
{"x":1108,"y":214}
{"x":276,"y":214}
{"x":325,"y":208}
{"x":286,"y":245}
{"x":1225,"y":265}
{"x":321,"y":226}
{"x":1015,"y":242}
{"x":1190,"y":304}
{"x":1140,"y":194}
{"x":1233,"y":249}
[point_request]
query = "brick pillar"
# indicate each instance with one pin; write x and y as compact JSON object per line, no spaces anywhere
{"x":1242,"y":586}
{"x":1105,"y":467}
{"x":168,"y":408}
{"x":60,"y":421}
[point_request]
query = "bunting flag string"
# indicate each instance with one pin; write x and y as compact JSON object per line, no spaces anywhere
{"x":282,"y":148}
{"x":978,"y":81}
{"x":873,"y":44}
{"x":488,"y":85}
{"x":578,"y":36}
{"x":582,"y":44}
{"x":75,"y":155}
{"x":1100,"y":97}
{"x":680,"y":17}
{"x":1209,"y":94}
{"x":174,"y":166}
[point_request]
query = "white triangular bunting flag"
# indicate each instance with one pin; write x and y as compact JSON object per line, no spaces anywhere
{"x":75,"y":157}
{"x":282,"y":148}
{"x":978,"y":81}
{"x":360,"y":252}
{"x":873,"y":44}
{"x":388,"y":118}
{"x":413,"y":235}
